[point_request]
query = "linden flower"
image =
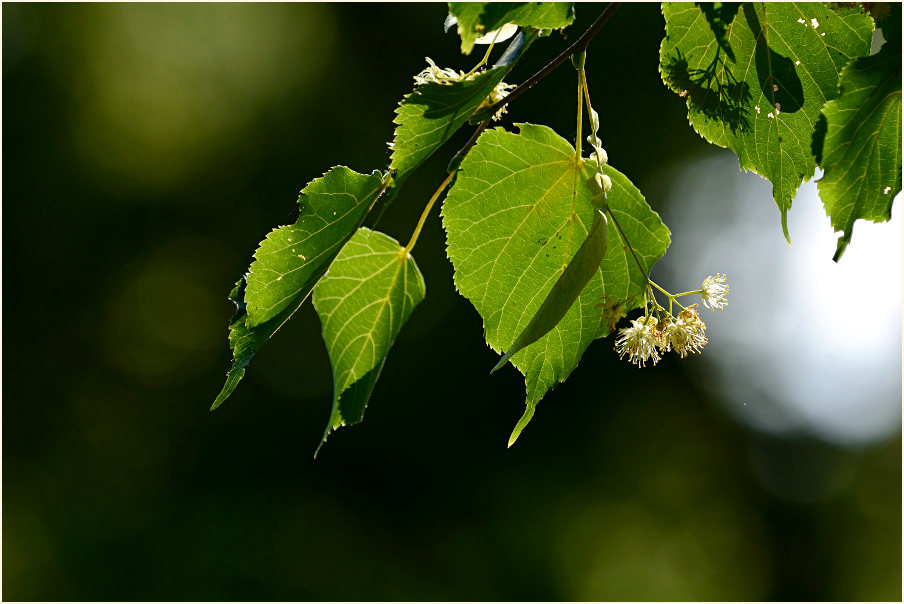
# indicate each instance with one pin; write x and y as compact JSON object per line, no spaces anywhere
{"x":497,"y":94}
{"x":685,"y":334}
{"x":639,"y":342}
{"x":714,"y":291}
{"x":437,"y":74}
{"x":692,"y":319}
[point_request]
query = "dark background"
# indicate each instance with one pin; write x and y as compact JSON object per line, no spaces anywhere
{"x":146,"y":151}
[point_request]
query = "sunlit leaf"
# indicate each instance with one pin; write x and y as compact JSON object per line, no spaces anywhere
{"x":476,"y":19}
{"x":861,"y":151}
{"x":363,"y":301}
{"x":580,"y":270}
{"x":758,"y":89}
{"x":292,"y":258}
{"x":517,"y":214}
{"x":432,"y":113}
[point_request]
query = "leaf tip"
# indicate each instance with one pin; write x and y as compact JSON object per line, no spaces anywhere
{"x":785,"y":227}
{"x":522,"y":423}
{"x":843,"y":242}
{"x":233,"y":378}
{"x":500,"y":364}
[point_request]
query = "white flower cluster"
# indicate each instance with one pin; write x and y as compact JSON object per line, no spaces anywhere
{"x":438,"y":75}
{"x":497,"y":94}
{"x":649,"y":338}
{"x":434,"y":74}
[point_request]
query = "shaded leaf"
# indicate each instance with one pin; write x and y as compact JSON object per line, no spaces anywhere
{"x":363,"y":301}
{"x":292,"y":258}
{"x":518,"y":212}
{"x":764,"y":102}
{"x":861,"y":151}
{"x":719,"y":15}
{"x":580,"y":270}
{"x":432,"y":113}
{"x":476,"y":19}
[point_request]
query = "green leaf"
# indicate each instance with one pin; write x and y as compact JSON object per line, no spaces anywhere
{"x":719,"y":16}
{"x":579,"y":272}
{"x":516,"y":216}
{"x":434,"y":112}
{"x":761,"y":98}
{"x":430,"y":115}
{"x":478,"y":18}
{"x":292,"y":258}
{"x":861,"y":151}
{"x":363,"y":301}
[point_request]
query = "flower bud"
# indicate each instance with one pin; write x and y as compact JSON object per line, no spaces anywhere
{"x":604,"y":182}
{"x":601,"y":154}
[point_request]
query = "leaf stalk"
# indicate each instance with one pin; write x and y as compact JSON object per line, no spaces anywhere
{"x":427,"y":208}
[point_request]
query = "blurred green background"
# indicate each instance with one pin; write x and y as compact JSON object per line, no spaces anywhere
{"x":147,"y":148}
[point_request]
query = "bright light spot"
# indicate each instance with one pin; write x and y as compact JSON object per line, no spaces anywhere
{"x":807,"y":344}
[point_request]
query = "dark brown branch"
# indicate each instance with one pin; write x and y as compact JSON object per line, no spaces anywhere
{"x":460,"y":155}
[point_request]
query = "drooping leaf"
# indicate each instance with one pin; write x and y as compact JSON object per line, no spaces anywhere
{"x":518,"y":212}
{"x":580,"y":270}
{"x":292,"y":258}
{"x":363,"y":301}
{"x":762,"y":99}
{"x":476,"y":19}
{"x":861,"y":150}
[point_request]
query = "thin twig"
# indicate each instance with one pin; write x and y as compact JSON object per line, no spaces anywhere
{"x":460,"y":154}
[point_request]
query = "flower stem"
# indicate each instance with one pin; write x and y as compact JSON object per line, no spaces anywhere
{"x":427,"y":208}
{"x":460,"y":154}
{"x":599,"y":159}
{"x":625,"y":242}
{"x":672,"y":297}
{"x":696,"y":291}
{"x":483,"y":61}
{"x":578,"y":139}
{"x":579,"y":44}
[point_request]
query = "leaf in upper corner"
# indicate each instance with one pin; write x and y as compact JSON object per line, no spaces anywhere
{"x":761,"y":96}
{"x":476,"y":19}
{"x":516,"y":216}
{"x":363,"y":301}
{"x":861,"y":150}
{"x":288,"y":263}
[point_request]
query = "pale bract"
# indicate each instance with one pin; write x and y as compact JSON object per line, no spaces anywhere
{"x":498,"y":35}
